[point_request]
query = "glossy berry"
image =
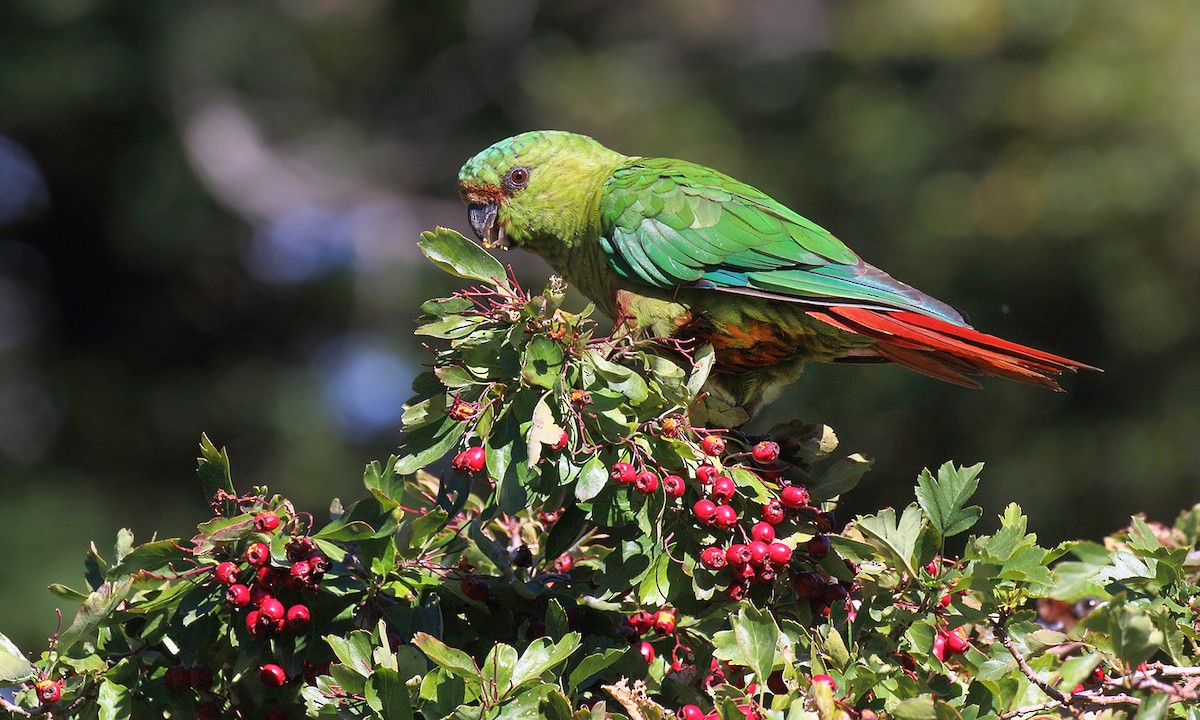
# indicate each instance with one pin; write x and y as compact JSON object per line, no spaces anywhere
{"x":297,"y":617}
{"x":237,"y":596}
{"x":834,"y":593}
{"x":258,"y":593}
{"x":48,"y":691}
{"x":200,"y":677}
{"x":266,"y":521}
{"x":808,"y":584}
{"x":673,"y":486}
{"x":758,"y":552}
{"x":705,"y":511}
{"x":793,"y":496}
{"x":712,"y":445}
{"x":647,"y":652}
{"x":737,"y":554}
{"x":826,"y":680}
{"x":272,"y":675}
{"x":736,"y":592}
{"x":641,"y":621}
{"x":561,"y":442}
{"x":712,"y":557}
{"x":622,"y":473}
{"x":470,"y":461}
{"x":664,"y":621}
{"x":474,"y":588}
{"x":563,"y":564}
{"x":257,"y":625}
{"x":779,"y":554}
{"x":226,"y":573}
{"x":176,"y":679}
{"x":705,"y":474}
{"x":765,"y":452}
{"x":299,"y":549}
{"x":763,"y":531}
{"x":208,"y":710}
{"x":689,"y":712}
{"x":818,"y":547}
{"x":646,"y":482}
{"x":723,"y":489}
{"x":272,"y":610}
{"x":725,"y":517}
{"x":258,"y":554}
{"x":954,"y":642}
{"x":773,"y":512}
{"x":267,"y":576}
{"x":301,"y":570}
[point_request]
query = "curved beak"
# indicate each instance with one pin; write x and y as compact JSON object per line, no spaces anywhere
{"x":482,"y":217}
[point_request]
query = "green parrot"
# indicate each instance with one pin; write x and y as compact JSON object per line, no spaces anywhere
{"x":679,"y":250}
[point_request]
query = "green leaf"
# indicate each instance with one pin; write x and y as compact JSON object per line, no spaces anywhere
{"x":213,"y":468}
{"x":540,"y":656}
{"x":840,"y":477}
{"x":458,"y":256}
{"x":498,"y":667}
{"x":1134,"y":637}
{"x":114,"y":701}
{"x":592,"y":479}
{"x":393,"y":694}
{"x":702,"y":364}
{"x":14,"y":668}
{"x":1077,"y":669}
{"x":925,"y":707}
{"x":593,"y":664}
{"x":151,"y":556}
{"x":452,"y":659}
{"x":757,"y":635}
{"x":353,"y":651}
{"x":95,"y":610}
{"x":543,"y":362}
{"x":428,"y":443}
{"x":1154,"y":707}
{"x":896,"y":538}
{"x":944,"y":499}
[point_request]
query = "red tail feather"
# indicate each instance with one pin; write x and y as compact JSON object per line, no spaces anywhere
{"x":947,"y":351}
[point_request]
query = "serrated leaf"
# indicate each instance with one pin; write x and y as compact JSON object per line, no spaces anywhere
{"x":150,"y":556}
{"x":14,"y":668}
{"x":428,"y":443}
{"x":944,"y":499}
{"x":451,"y":659}
{"x":1077,"y":669}
{"x":897,"y":538}
{"x":114,"y":701}
{"x":213,"y":468}
{"x":94,"y":611}
{"x":756,"y":635}
{"x":457,"y":255}
{"x":540,"y":656}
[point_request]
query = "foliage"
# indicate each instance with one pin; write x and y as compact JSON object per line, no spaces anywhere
{"x":567,"y":566}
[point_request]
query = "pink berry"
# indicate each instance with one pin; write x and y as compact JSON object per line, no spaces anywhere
{"x":705,"y":474}
{"x":258,"y":554}
{"x":563,"y":564}
{"x":673,"y":486}
{"x":713,"y":557}
{"x":237,"y":596}
{"x":773,"y":512}
{"x":647,"y":652}
{"x":622,"y":473}
{"x":765,"y":452}
{"x":793,"y":496}
{"x":561,"y":442}
{"x":646,"y":482}
{"x":736,"y":592}
{"x":763,"y":531}
{"x":470,"y":461}
{"x":271,"y":609}
{"x":705,"y":511}
{"x":955,"y":643}
{"x":723,"y":489}
{"x":712,"y":445}
{"x":664,"y":621}
{"x":689,"y":712}
{"x":822,"y":678}
{"x":726,"y":517}
{"x":272,"y":675}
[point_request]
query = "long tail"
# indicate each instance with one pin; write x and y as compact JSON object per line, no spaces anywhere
{"x":946,"y":351}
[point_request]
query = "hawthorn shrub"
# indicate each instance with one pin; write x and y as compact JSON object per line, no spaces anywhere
{"x":558,"y":540}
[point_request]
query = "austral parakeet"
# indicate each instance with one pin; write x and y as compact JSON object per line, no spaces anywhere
{"x":684,"y":251}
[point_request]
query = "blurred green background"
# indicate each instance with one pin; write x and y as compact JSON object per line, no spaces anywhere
{"x":208,"y":213}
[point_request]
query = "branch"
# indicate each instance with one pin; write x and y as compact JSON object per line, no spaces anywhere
{"x":998,"y":626}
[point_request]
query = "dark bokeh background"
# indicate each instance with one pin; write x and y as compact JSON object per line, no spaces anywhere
{"x":208,"y":213}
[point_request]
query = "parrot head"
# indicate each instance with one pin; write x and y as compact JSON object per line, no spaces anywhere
{"x":538,"y":190}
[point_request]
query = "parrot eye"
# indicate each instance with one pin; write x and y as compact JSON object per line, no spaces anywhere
{"x":517,"y":178}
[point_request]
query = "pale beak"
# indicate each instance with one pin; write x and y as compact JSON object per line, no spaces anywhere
{"x":483,"y":221}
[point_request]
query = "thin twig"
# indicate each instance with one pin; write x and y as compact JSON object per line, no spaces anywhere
{"x":998,"y":626}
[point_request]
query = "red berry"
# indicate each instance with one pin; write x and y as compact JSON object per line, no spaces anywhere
{"x":712,"y":445}
{"x":561,"y":442}
{"x":297,"y":617}
{"x":763,"y":531}
{"x":200,"y":677}
{"x":258,"y":593}
{"x":266,"y":521}
{"x":299,"y":549}
{"x":793,"y":496}
{"x":934,"y":567}
{"x":258,"y":554}
{"x":623,"y":473}
{"x":776,"y":684}
{"x":646,"y":482}
{"x":808,"y":584}
{"x":641,"y":621}
{"x":758,"y":552}
{"x":712,"y":557}
{"x":764,"y":574}
{"x":474,"y":588}
{"x":227,"y":573}
{"x":301,"y":570}
{"x":177,"y":679}
{"x":765,"y":452}
{"x":818,"y":547}
{"x":674,"y":486}
{"x":737,"y":554}
{"x":939,"y":647}
{"x":647,"y":651}
{"x":944,"y":600}
{"x":470,"y":461}
{"x":723,"y":489}
{"x":689,"y":712}
{"x":954,"y":642}
{"x":267,"y":576}
{"x":257,"y":625}
{"x":705,"y":511}
{"x":563,"y":564}
{"x":664,"y":621}
{"x":208,"y":710}
{"x":705,"y":474}
{"x":736,"y":592}
{"x":271,"y":610}
{"x":825,"y":679}
{"x":237,"y":596}
{"x":773,"y":512}
{"x":48,"y":691}
{"x":726,"y":517}
{"x":272,"y":675}
{"x":779,"y":554}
